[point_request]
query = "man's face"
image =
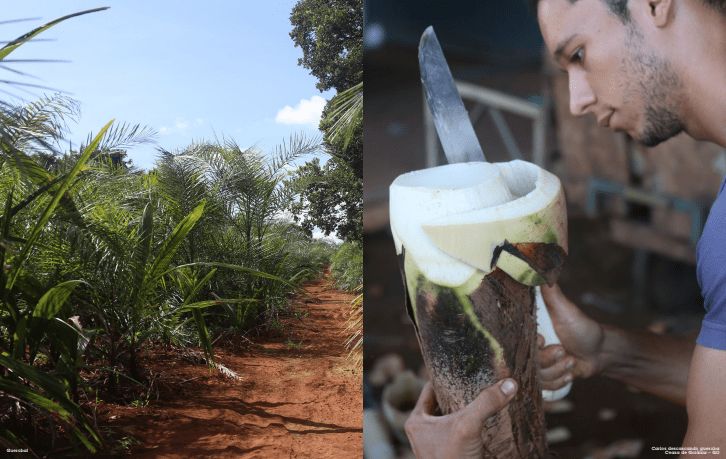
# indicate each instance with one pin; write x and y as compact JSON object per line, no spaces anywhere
{"x":613,"y":73}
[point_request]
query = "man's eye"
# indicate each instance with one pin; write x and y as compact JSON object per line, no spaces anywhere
{"x":578,"y":56}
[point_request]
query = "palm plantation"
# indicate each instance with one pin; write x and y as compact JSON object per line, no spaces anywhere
{"x":100,"y":261}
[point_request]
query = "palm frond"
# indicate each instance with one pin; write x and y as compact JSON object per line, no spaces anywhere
{"x":122,"y":136}
{"x":15,"y":44}
{"x":346,"y":112}
{"x":354,"y":328}
{"x":297,"y":146}
{"x":34,"y":128}
{"x":47,"y":213}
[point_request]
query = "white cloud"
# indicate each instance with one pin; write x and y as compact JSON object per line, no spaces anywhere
{"x":307,"y":111}
{"x":181,"y":125}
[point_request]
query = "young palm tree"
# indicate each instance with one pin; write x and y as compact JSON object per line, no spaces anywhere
{"x":248,"y":196}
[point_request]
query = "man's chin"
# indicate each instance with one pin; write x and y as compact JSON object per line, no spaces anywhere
{"x":650,"y":142}
{"x":652,"y":139}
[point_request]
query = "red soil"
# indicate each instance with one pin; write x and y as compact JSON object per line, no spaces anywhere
{"x":297,"y":396}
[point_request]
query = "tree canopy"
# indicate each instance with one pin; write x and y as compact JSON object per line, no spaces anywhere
{"x":329,"y":197}
{"x":330,"y":34}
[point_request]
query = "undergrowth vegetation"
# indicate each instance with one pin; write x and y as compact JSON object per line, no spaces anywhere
{"x":347,"y":272}
{"x":347,"y":266}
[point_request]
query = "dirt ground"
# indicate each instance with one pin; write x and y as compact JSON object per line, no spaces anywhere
{"x":296,"y":396}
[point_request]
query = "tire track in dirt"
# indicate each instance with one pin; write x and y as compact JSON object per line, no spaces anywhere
{"x":297,"y":396}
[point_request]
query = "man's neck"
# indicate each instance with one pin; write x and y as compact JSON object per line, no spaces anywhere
{"x":702,"y":63}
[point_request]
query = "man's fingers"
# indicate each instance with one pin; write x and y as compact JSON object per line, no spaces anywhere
{"x":557,"y":370}
{"x":550,"y":355}
{"x":489,"y":401}
{"x":426,"y":403}
{"x":557,"y":383}
{"x":540,"y":341}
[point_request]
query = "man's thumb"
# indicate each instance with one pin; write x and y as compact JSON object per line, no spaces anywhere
{"x":559,"y":307}
{"x":490,"y":401}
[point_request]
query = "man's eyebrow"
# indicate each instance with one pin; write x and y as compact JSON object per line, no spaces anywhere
{"x":560,"y":50}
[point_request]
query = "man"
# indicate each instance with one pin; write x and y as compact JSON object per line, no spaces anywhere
{"x":653,"y":69}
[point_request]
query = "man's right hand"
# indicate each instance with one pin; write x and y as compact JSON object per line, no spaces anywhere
{"x":580,"y":352}
{"x":456,"y":435}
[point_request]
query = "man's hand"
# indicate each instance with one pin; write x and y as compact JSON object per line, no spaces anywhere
{"x":456,"y":435}
{"x":582,"y":338}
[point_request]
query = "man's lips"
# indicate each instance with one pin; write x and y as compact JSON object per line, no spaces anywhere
{"x":604,"y":120}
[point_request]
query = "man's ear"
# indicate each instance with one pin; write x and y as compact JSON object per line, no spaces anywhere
{"x":661,"y":12}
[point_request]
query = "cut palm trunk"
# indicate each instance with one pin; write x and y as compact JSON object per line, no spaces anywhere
{"x":474,"y":239}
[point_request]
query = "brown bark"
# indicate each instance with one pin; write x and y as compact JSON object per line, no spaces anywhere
{"x":470,"y":341}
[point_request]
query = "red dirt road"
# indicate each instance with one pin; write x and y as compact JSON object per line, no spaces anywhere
{"x":297,"y":396}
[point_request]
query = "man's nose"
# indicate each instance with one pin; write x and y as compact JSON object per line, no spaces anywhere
{"x":581,"y":95}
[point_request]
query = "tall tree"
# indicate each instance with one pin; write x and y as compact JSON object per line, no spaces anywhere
{"x":329,"y":197}
{"x":330,"y":34}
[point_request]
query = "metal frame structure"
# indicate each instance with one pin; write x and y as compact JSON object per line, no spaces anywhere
{"x":696,"y":211}
{"x":494,"y":103}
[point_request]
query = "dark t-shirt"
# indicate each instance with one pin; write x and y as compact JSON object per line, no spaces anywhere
{"x":711,"y":271}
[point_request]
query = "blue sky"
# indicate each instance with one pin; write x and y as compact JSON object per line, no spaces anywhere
{"x":190,"y":70}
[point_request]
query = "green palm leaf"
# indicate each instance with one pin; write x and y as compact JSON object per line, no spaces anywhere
{"x":15,"y":44}
{"x":45,"y":216}
{"x":170,"y":246}
{"x":52,"y":301}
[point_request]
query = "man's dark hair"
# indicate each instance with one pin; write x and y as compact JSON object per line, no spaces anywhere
{"x":620,"y":7}
{"x":617,"y":7}
{"x":718,"y":5}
